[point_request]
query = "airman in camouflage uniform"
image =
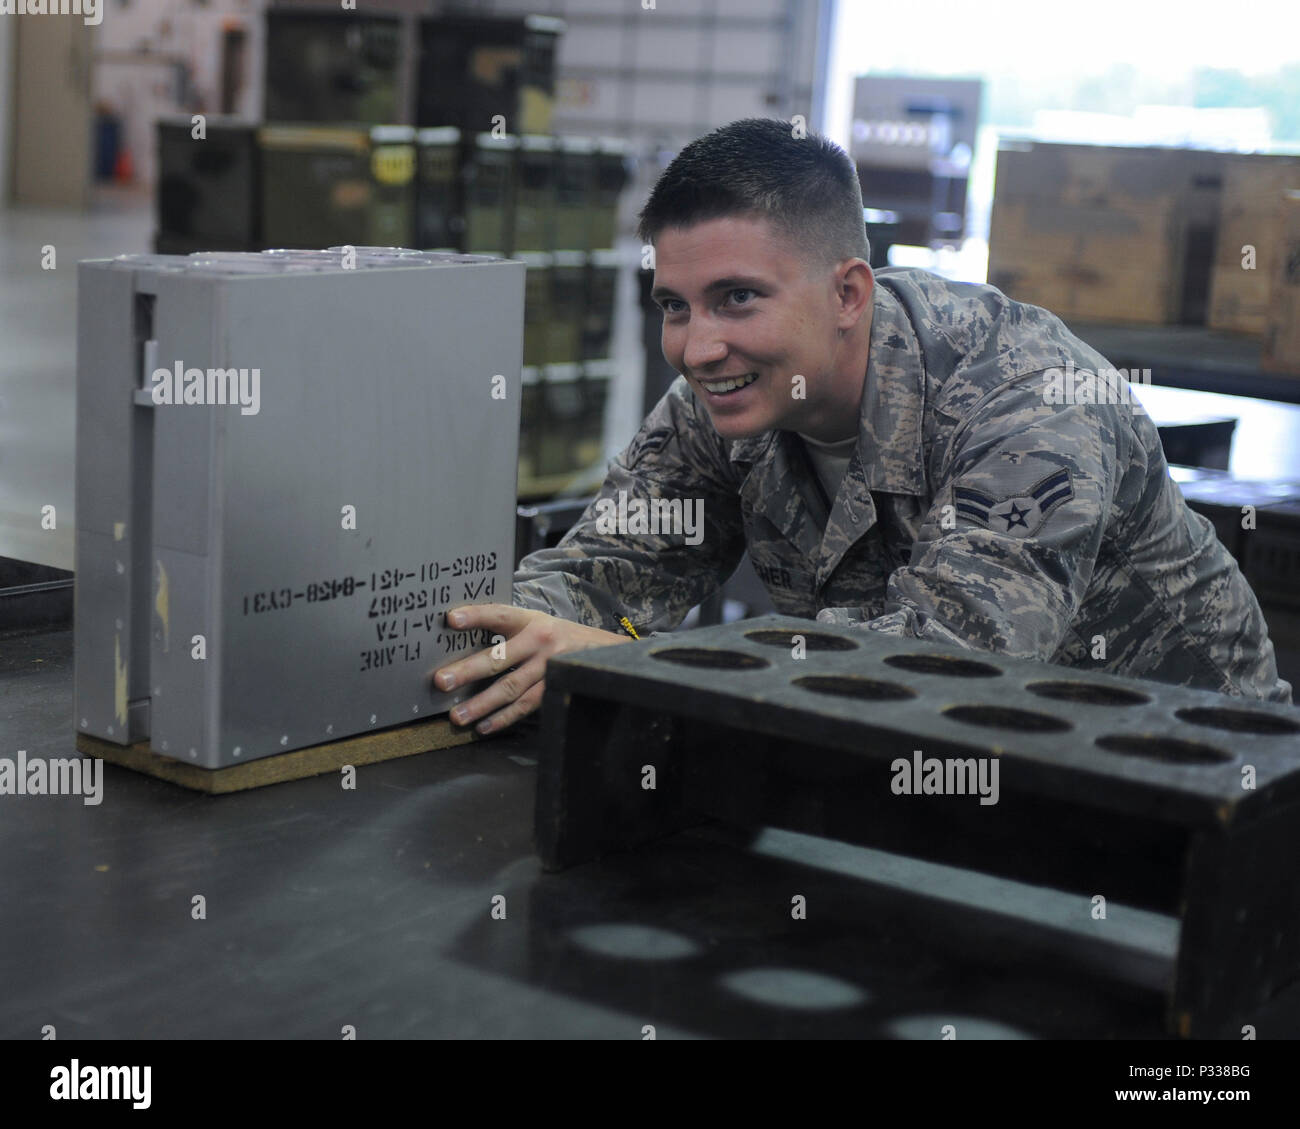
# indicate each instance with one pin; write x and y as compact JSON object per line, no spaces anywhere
{"x":977,"y":510}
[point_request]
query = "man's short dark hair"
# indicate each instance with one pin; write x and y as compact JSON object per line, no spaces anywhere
{"x":806,"y":187}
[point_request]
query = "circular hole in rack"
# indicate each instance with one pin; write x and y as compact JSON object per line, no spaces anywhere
{"x":1003,"y":717}
{"x":1089,"y":693}
{"x":853,"y":686}
{"x":1237,"y":721}
{"x":708,"y":657}
{"x":1170,"y":750}
{"x":812,"y":640}
{"x":943,"y":664}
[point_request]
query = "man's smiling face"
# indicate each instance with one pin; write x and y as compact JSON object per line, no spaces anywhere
{"x":744,"y":314}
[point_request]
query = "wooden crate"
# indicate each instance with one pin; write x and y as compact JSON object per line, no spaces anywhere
{"x":1282,"y":337}
{"x":1250,"y":215}
{"x":1091,"y":262}
{"x":1102,"y":233}
{"x":1118,"y":177}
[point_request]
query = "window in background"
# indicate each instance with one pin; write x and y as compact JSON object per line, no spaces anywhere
{"x":1162,"y":73}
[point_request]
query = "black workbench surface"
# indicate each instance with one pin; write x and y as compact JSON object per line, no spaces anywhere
{"x":372,"y":908}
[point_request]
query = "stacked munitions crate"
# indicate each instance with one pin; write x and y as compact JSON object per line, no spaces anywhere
{"x":1152,"y":236}
{"x":470,"y":167}
{"x":473,"y":68}
{"x":332,"y":164}
{"x":334,"y":65}
{"x":326,"y":185}
{"x":209,"y":186}
{"x":338,"y":164}
{"x":551,"y":202}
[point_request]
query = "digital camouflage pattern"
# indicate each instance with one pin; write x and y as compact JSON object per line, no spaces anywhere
{"x":973,"y":512}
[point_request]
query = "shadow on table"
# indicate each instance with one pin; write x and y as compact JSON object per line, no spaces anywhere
{"x":696,"y":934}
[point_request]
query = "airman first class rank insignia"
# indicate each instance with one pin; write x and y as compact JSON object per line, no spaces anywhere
{"x":1017,"y":516}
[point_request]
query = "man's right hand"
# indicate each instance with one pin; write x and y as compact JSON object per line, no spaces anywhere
{"x":530,"y":638}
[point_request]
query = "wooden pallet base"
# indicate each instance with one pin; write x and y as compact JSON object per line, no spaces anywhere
{"x":367,"y":748}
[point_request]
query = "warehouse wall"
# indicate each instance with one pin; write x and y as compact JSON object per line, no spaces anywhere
{"x":660,"y":76}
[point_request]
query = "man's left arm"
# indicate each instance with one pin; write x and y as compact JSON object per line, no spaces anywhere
{"x":1007,"y":550}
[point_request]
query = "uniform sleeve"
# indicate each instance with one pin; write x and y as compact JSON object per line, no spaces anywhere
{"x":1007,"y":550}
{"x":664,"y":532}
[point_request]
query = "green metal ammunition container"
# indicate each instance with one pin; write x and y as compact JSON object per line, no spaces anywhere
{"x":575,"y":179}
{"x":611,"y":177}
{"x":535,"y":194}
{"x":326,"y":185}
{"x":537,"y":305}
{"x":438,"y":222}
{"x":598,"y":305}
{"x":490,"y":194}
{"x":568,"y":297}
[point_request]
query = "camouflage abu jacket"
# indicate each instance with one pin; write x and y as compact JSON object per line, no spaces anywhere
{"x":977,"y":510}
